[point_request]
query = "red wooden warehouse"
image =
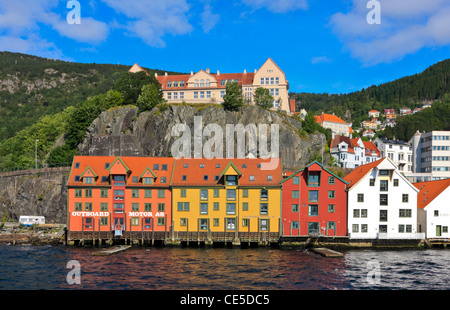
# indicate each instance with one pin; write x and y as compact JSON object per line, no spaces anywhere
{"x":314,"y":203}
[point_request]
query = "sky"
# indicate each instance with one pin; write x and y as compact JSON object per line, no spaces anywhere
{"x":332,"y":46}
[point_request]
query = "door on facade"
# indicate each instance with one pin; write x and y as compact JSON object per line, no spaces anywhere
{"x":438,"y":230}
{"x":331,"y":229}
{"x":263,"y":224}
{"x":147,"y":223}
{"x":88,"y":223}
{"x":231,"y":223}
{"x":313,"y":228}
{"x":119,"y":225}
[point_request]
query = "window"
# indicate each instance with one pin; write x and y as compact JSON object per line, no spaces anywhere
{"x":104,"y":206}
{"x":295,"y":225}
{"x":205,"y":178}
{"x":183,"y":206}
{"x":196,"y":95}
{"x":363,"y":212}
{"x":245,"y":222}
{"x":134,"y":193}
{"x":363,"y":228}
{"x":372,"y":182}
{"x":405,"y":212}
{"x":269,"y":178}
{"x":264,"y":209}
{"x":383,"y":199}
{"x":183,"y":221}
{"x":164,"y":167}
{"x":163,"y":179}
{"x":134,"y":207}
{"x":313,"y":210}
{"x":147,"y":193}
{"x":77,"y":178}
{"x":356,"y":213}
{"x":331,"y":194}
{"x":331,"y":225}
{"x":103,"y":221}
{"x":77,"y":165}
{"x":295,"y":180}
{"x":134,"y":221}
{"x":436,"y":212}
{"x":295,"y":194}
{"x":215,"y":222}
{"x":383,"y":216}
{"x":245,"y":206}
{"x":313,"y":196}
{"x":405,"y":197}
{"x":245,"y":193}
{"x":183,"y":178}
{"x":295,"y":208}
{"x":161,"y":207}
{"x":383,"y":186}
{"x":88,"y":192}
{"x":395,"y":182}
{"x":148,"y":180}
{"x":331,"y":180}
{"x":331,"y":208}
{"x":382,"y":228}
{"x":78,"y":206}
{"x":78,"y":193}
{"x":231,"y":194}
{"x":216,"y":193}
{"x":135,"y":179}
{"x":104,"y":179}
{"x":231,"y":180}
{"x":148,"y":207}
{"x":203,"y":208}
{"x":203,"y":194}
{"x":161,"y":221}
{"x":252,"y":178}
{"x":313,"y":179}
{"x":355,"y":228}
{"x":360,"y":197}
{"x":264,"y":195}
{"x":88,"y":180}
{"x":216,"y":206}
{"x":186,"y":166}
{"x":103,"y":193}
{"x":231,"y":208}
{"x":384,"y":172}
{"x":88,"y":206}
{"x":161,"y":193}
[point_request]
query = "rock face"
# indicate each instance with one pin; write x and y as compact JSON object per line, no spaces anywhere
{"x":43,"y":194}
{"x":124,"y":131}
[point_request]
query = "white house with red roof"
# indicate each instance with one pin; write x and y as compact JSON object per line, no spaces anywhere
{"x":433,"y":208}
{"x":333,"y":122}
{"x":351,"y":153}
{"x":381,"y":203}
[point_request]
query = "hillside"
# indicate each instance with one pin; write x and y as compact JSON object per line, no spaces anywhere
{"x":32,"y":87}
{"x":411,"y":91}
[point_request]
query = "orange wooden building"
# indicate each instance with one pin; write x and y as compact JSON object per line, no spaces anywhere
{"x":119,"y":197}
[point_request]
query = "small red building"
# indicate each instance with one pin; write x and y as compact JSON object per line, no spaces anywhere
{"x":314,"y":202}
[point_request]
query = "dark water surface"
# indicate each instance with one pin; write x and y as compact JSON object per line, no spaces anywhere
{"x":45,"y":267}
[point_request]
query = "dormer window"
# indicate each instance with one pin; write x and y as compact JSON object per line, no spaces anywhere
{"x":88,"y":180}
{"x":202,"y":165}
{"x":231,"y":180}
{"x":135,"y":179}
{"x":184,"y":178}
{"x":148,"y":180}
{"x":205,"y":178}
{"x":104,"y":179}
{"x":77,"y":165}
{"x":77,"y":178}
{"x":384,"y":172}
{"x":252,"y":178}
{"x":106,"y":165}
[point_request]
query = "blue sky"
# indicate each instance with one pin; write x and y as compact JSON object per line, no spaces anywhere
{"x":322,"y":45}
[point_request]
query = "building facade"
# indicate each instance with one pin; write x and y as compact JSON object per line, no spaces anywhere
{"x":382,"y":203}
{"x":331,"y":121}
{"x":351,"y":153}
{"x":207,"y":87}
{"x":314,"y":203}
{"x":431,"y":154}
{"x":433,"y":208}
{"x":218,"y":197}
{"x":399,"y":152}
{"x":112,"y":196}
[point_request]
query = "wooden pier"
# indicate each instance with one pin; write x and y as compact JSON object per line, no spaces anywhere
{"x":326,"y":252}
{"x":111,"y":251}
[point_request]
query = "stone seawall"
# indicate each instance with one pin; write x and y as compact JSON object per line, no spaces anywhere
{"x":40,"y":192}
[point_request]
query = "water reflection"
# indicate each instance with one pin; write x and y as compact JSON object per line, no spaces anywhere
{"x":30,"y":267}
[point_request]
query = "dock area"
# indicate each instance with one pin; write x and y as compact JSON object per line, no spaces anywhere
{"x":111,"y":251}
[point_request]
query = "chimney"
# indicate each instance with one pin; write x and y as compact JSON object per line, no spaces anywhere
{"x":207,"y":70}
{"x":192,"y":72}
{"x":218,"y":72}
{"x":156,"y":74}
{"x":165,"y":74}
{"x":255,"y":71}
{"x":245,"y":71}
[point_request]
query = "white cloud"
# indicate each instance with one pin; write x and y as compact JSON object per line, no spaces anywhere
{"x":406,"y":27}
{"x":278,"y":6}
{"x":21,"y":22}
{"x":320,"y":59}
{"x":151,"y":20}
{"x":209,"y":20}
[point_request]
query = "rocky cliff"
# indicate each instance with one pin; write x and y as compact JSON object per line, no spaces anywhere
{"x":124,"y":131}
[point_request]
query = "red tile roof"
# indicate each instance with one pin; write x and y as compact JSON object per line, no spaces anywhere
{"x":329,"y":118}
{"x":195,"y":175}
{"x":360,"y":172}
{"x":243,"y":79}
{"x":428,"y":191}
{"x":371,"y":148}
{"x":136,"y":166}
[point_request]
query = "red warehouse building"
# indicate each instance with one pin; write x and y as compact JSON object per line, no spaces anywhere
{"x":314,"y":202}
{"x":119,"y":197}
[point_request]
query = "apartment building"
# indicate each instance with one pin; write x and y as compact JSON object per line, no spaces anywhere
{"x":399,"y":152}
{"x":431,"y":154}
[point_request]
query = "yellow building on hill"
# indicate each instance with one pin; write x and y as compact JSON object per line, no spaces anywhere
{"x":225,"y":197}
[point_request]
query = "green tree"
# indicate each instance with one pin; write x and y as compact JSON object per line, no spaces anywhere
{"x":233,"y":98}
{"x":309,"y":124}
{"x":130,"y":85}
{"x":61,"y":155}
{"x":263,"y":98}
{"x":149,"y":97}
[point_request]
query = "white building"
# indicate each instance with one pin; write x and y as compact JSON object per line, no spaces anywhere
{"x":351,"y":153}
{"x":382,"y":203}
{"x":431,"y":154}
{"x":399,"y":152}
{"x":433,"y":208}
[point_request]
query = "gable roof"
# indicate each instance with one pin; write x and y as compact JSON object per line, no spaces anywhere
{"x":195,"y":175}
{"x":360,"y":172}
{"x":328,"y":118}
{"x":290,"y":175}
{"x":428,"y":191}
